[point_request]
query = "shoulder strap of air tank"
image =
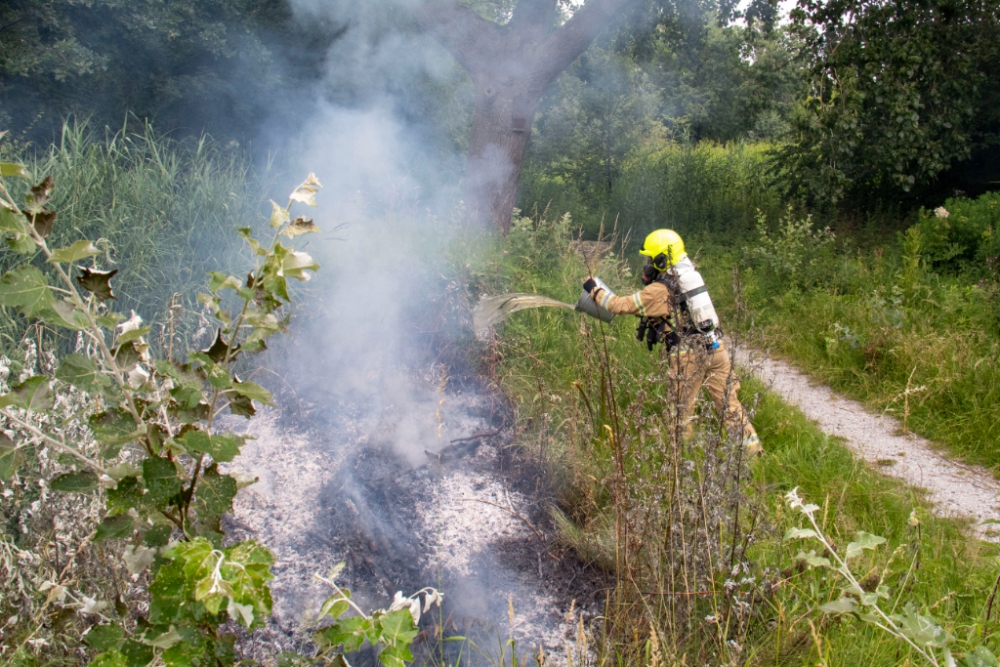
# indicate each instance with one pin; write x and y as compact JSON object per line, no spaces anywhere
{"x":692,"y":293}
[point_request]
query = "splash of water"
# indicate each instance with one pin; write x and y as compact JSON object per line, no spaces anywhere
{"x":492,"y":310}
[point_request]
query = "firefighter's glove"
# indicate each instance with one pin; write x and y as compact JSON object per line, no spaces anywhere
{"x":649,"y":273}
{"x":589,"y":286}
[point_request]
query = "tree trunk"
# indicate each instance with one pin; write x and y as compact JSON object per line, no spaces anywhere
{"x":511,"y":66}
{"x":500,"y":131}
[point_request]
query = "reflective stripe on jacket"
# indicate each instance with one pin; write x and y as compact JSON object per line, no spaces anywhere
{"x":652,"y":301}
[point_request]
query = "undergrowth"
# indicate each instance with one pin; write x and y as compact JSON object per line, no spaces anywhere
{"x":911,"y":327}
{"x":585,"y":396}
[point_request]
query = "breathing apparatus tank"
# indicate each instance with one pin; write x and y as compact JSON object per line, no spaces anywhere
{"x":693,"y":296}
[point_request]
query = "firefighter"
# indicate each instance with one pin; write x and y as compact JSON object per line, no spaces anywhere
{"x":675,"y":310}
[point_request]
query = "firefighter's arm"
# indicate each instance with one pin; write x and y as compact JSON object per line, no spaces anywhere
{"x":619,"y":305}
{"x":652,"y":301}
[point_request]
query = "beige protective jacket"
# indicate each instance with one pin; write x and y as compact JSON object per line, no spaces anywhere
{"x":654,"y":300}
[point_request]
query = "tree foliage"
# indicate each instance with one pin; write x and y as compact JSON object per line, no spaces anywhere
{"x":190,"y":64}
{"x":901,"y":91}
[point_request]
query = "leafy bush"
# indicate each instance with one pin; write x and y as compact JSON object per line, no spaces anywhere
{"x":962,"y":236}
{"x":795,"y":254}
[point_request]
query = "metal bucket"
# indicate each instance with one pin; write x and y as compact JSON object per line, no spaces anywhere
{"x":587,"y":305}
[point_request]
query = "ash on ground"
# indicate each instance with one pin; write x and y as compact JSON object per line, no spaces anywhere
{"x":430,"y":493}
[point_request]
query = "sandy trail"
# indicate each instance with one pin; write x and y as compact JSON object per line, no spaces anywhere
{"x":958,"y":490}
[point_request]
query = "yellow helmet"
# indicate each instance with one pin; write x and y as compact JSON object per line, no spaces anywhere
{"x":664,"y":247}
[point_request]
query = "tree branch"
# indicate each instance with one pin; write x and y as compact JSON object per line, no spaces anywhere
{"x":565,"y":45}
{"x":460,"y":30}
{"x":533,"y":17}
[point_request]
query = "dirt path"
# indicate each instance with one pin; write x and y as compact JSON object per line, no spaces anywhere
{"x":955,"y":488}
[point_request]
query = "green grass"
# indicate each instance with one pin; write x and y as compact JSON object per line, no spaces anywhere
{"x":539,"y":356}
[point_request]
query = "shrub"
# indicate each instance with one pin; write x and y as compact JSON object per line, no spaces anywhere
{"x":962,"y":236}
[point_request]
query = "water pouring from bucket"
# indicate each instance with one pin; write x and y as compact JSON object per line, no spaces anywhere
{"x":492,"y":310}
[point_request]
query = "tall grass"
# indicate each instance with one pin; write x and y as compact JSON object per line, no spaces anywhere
{"x":700,"y":188}
{"x":693,"y":537}
{"x":167,"y":211}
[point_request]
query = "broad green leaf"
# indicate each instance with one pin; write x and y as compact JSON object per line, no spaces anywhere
{"x":133,"y":334}
{"x":923,"y":630}
{"x":74,"y":253}
{"x":109,"y":659}
{"x":350,"y":633}
{"x":127,"y":355}
{"x":187,"y":396}
{"x":22,"y":244}
{"x":334,"y":606}
{"x":222,"y":281}
{"x":127,"y":494}
{"x":214,"y":498}
{"x":223,"y":448}
{"x":814,"y":560}
{"x":66,"y":314}
{"x":979,"y":657}
{"x":295,"y":264}
{"x":11,"y":458}
{"x":190,"y":654}
{"x":306,"y":191}
{"x":168,"y":603}
{"x":136,"y":654}
{"x":862,"y":541}
{"x":82,"y":373}
{"x":397,"y":627}
{"x":33,"y":394}
{"x":111,"y":320}
{"x":10,"y":169}
{"x":104,"y":637}
{"x":158,"y":536}
{"x":162,"y":482}
{"x":248,"y":569}
{"x":12,"y":222}
{"x":395,"y":655}
{"x":167,"y":639}
{"x":97,"y":282}
{"x":112,"y":527}
{"x":26,"y":288}
{"x":841,"y":606}
{"x":113,"y":428}
{"x":299,"y":226}
{"x":242,"y":406}
{"x":279,"y":215}
{"x":74,"y":482}
{"x":253,"y":391}
{"x":799,"y":533}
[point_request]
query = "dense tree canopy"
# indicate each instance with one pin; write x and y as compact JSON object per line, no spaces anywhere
{"x":192,"y":65}
{"x":901,"y":92}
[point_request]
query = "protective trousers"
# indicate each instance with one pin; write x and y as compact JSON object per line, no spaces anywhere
{"x":693,"y":368}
